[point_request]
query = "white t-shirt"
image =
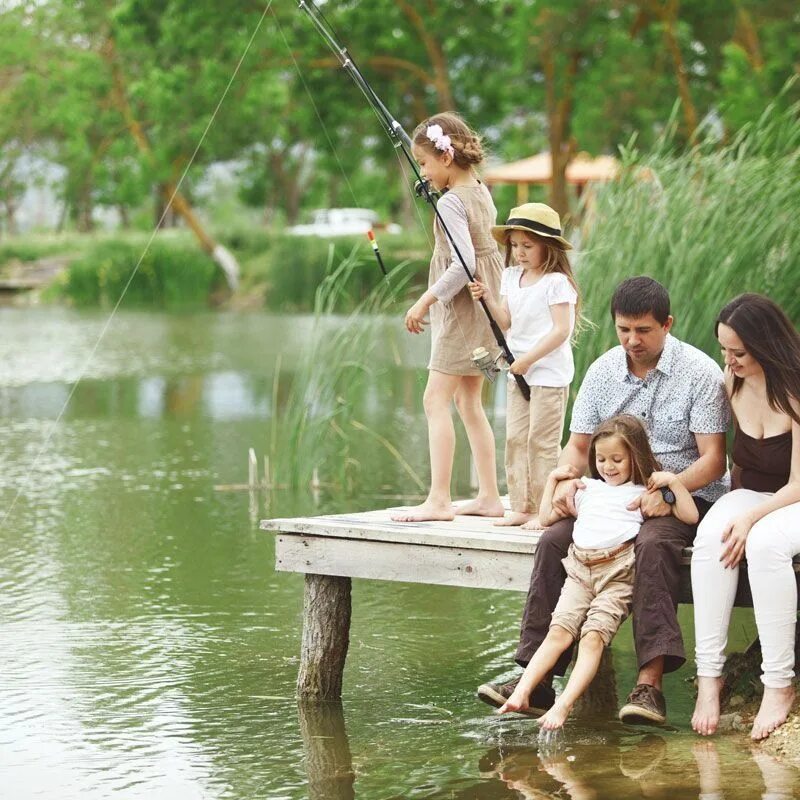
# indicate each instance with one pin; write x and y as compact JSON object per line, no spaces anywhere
{"x":603,"y":519}
{"x":529,"y":307}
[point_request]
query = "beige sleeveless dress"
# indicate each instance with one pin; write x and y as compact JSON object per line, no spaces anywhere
{"x":461,"y":325}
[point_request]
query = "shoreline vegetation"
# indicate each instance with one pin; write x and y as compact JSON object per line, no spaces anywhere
{"x":707,"y":222}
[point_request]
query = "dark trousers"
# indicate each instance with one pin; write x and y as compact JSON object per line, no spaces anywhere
{"x":659,"y":548}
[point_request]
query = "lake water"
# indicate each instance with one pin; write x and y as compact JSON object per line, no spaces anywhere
{"x":149,"y":649}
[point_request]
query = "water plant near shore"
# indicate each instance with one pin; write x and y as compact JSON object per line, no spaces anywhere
{"x":315,"y":432}
{"x":708,"y":223}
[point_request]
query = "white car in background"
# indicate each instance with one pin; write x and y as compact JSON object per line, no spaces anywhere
{"x":343,"y":222}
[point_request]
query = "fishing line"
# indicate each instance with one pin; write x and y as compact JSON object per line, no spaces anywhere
{"x":317,"y":112}
{"x":110,"y":319}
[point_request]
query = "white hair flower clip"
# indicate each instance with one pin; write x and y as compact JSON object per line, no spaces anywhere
{"x":441,"y":141}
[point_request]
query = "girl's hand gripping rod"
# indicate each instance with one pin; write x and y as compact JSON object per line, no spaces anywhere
{"x":402,"y":142}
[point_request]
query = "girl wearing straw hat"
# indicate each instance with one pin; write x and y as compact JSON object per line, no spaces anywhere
{"x":537,"y":308}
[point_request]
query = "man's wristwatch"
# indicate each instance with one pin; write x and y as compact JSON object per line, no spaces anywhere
{"x":668,"y":495}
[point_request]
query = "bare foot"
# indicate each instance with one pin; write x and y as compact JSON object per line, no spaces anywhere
{"x":427,"y":512}
{"x":517,"y":702}
{"x":775,"y":707}
{"x":514,"y":518}
{"x":706,"y":710}
{"x":482,"y":507}
{"x":555,"y":717}
{"x":533,"y":524}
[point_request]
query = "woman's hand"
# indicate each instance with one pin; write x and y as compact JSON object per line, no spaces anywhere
{"x":735,"y":538}
{"x":415,"y":321}
{"x":660,"y":480}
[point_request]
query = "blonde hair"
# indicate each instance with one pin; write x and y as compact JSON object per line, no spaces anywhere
{"x":467,"y":146}
{"x":555,"y":260}
{"x":634,"y":437}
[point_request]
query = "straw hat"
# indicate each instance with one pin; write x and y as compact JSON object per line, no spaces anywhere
{"x":535,"y":218}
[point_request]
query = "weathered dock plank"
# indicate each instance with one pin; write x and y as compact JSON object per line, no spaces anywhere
{"x":331,"y":550}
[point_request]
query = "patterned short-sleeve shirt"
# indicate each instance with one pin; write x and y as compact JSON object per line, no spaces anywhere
{"x":683,"y":395}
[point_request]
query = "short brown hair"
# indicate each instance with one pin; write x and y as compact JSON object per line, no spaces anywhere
{"x":639,"y":296}
{"x":634,"y":435}
{"x":467,"y":146}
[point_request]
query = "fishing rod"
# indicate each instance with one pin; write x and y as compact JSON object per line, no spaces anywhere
{"x":402,"y":142}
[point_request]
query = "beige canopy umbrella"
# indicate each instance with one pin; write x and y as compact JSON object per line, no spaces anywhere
{"x":538,"y":169}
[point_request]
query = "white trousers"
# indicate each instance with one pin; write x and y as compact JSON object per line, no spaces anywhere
{"x":771,"y":545}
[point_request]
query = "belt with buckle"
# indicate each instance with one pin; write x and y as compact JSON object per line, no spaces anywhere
{"x":610,"y":556}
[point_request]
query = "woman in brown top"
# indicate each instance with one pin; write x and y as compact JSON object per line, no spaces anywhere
{"x":760,"y":517}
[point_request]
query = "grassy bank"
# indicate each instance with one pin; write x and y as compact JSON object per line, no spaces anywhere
{"x":278,"y":272}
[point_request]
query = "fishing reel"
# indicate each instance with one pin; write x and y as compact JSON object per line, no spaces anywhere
{"x":424,"y":189}
{"x":490,"y":367}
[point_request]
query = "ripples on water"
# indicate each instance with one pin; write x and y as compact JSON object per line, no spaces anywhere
{"x":150,"y":650}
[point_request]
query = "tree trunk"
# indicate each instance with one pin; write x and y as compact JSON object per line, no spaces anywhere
{"x":441,"y":79}
{"x":668,"y":14}
{"x":559,"y":115}
{"x":326,"y":637}
{"x":119,"y":97}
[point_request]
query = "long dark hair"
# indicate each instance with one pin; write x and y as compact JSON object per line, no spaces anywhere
{"x":769,"y":336}
{"x":634,"y":436}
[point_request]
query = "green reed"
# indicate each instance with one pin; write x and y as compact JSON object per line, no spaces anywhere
{"x":315,"y":431}
{"x":709,"y":224}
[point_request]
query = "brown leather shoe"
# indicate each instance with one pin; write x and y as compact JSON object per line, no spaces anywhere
{"x":645,"y":706}
{"x":541,"y":699}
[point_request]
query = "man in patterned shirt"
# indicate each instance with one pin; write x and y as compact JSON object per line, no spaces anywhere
{"x":679,"y":393}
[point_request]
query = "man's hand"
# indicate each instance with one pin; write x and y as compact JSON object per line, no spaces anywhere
{"x":564,"y":473}
{"x":735,"y":538}
{"x":651,"y":505}
{"x":564,"y":497}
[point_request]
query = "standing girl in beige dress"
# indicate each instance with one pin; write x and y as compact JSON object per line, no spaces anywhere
{"x":447,"y":151}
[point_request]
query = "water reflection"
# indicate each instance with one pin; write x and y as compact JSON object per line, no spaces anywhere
{"x":329,"y":765}
{"x":609,"y":762}
{"x":650,"y":766}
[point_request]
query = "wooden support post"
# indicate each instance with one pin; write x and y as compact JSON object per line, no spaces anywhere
{"x":329,"y":764}
{"x":326,"y":637}
{"x":600,"y":699}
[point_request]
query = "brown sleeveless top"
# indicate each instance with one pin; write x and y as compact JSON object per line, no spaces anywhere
{"x":762,"y":465}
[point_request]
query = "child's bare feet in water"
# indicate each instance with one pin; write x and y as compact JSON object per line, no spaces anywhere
{"x":775,"y":707}
{"x":482,"y":507}
{"x":706,"y":709}
{"x":513,"y":519}
{"x":429,"y":511}
{"x":555,"y":717}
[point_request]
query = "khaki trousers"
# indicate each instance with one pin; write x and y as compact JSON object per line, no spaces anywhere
{"x":533,"y":442}
{"x":598,"y":591}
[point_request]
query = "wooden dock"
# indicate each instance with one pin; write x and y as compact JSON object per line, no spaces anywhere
{"x":331,"y":550}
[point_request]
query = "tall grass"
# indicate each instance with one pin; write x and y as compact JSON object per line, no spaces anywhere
{"x":316,"y":432}
{"x":286,"y":268}
{"x":172,"y":275}
{"x":709,"y":224}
